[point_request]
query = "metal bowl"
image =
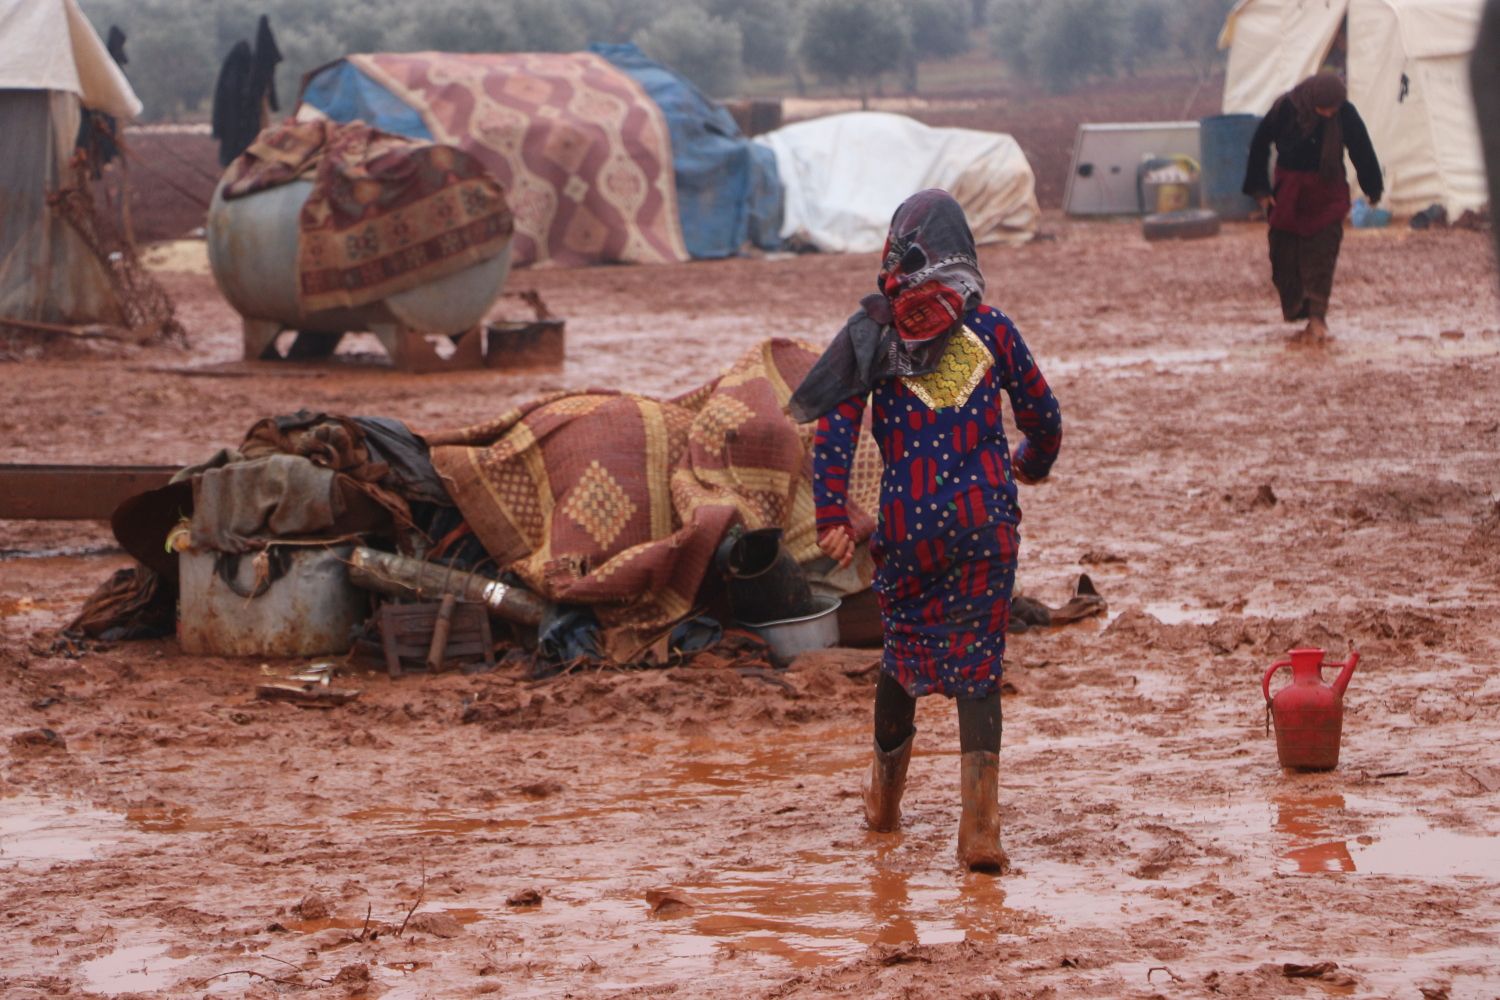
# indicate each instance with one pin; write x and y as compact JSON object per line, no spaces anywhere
{"x":791,"y":637}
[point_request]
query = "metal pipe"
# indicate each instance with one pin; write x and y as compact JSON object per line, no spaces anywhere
{"x":403,"y":576}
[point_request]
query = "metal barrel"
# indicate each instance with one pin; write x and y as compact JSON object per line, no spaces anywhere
{"x":1225,"y":144}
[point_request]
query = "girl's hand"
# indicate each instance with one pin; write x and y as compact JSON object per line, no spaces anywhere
{"x":838,"y":544}
{"x":1267,"y":203}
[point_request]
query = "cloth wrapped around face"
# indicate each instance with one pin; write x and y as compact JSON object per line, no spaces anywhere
{"x":929,"y":278}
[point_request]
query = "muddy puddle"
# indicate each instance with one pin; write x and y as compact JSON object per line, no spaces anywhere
{"x":1342,"y":833}
{"x":803,"y":909}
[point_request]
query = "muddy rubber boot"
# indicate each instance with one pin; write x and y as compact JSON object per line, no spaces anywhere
{"x":884,"y":785}
{"x":979,"y":847}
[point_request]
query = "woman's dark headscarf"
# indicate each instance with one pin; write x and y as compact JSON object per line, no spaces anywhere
{"x":929,"y":264}
{"x":1323,"y":90}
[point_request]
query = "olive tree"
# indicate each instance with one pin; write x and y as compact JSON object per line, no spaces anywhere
{"x":705,"y":49}
{"x":854,"y":41}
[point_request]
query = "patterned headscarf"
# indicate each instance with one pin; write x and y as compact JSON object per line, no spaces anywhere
{"x":929,"y":278}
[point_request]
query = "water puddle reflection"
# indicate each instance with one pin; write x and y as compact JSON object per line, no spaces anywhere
{"x":35,"y":833}
{"x":135,"y":969}
{"x":1340,"y":833}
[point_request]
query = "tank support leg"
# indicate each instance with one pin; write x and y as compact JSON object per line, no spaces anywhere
{"x":411,"y":351}
{"x":260,"y":339}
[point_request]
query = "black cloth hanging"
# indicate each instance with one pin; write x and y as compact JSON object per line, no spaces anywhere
{"x":99,"y":133}
{"x":245,"y":88}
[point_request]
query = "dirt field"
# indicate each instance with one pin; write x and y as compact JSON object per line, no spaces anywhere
{"x":1232,"y":495}
{"x":692,"y":833}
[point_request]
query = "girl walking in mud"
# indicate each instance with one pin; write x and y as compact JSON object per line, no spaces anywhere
{"x":934,"y":361}
{"x":1311,"y":126}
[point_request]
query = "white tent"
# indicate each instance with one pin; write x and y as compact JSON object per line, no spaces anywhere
{"x":845,"y":175}
{"x":1407,"y":70}
{"x":52,"y":64}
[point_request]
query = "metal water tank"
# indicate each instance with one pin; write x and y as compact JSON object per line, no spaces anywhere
{"x":252,"y":249}
{"x":1225,"y":144}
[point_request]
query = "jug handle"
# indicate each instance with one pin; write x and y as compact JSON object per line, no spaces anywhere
{"x":1265,"y":687}
{"x":1265,"y":683}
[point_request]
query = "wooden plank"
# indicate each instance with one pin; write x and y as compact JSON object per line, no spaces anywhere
{"x":74,"y":492}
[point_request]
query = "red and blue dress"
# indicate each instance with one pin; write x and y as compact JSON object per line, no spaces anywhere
{"x":946,"y":545}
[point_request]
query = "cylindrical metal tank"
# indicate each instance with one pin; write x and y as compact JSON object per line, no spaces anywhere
{"x":252,"y":248}
{"x":1225,"y":144}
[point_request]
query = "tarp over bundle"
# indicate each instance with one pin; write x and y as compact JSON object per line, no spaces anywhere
{"x":1407,"y":70}
{"x":845,"y":174}
{"x":728,"y":191}
{"x":386,"y":213}
{"x":52,"y":65}
{"x":583,"y":153}
{"x":618,"y":501}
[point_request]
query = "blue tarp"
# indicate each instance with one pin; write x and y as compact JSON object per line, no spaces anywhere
{"x":344,"y":94}
{"x":728,"y":190}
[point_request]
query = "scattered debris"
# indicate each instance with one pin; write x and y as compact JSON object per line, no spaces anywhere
{"x":524,"y":898}
{"x":1294,"y":971}
{"x":43,"y":739}
{"x":438,"y":923}
{"x":540,"y":789}
{"x":900,"y":954}
{"x":313,"y":906}
{"x":668,"y":902}
{"x":306,"y":695}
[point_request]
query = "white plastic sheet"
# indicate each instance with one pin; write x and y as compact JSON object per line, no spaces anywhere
{"x":845,"y":175}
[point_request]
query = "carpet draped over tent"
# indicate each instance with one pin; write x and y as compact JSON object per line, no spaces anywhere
{"x":583,"y":154}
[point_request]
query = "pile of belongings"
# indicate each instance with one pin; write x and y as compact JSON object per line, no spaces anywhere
{"x":609,"y":506}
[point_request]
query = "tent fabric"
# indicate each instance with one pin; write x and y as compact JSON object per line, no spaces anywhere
{"x":584,"y":155}
{"x":50,"y":45}
{"x":345,"y":94}
{"x":52,"y":65}
{"x":1407,"y":75}
{"x":845,"y":174}
{"x":47,"y":273}
{"x":728,"y":191}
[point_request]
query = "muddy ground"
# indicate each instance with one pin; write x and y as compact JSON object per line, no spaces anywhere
{"x":695,"y":833}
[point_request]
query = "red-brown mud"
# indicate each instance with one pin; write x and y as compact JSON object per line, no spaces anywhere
{"x":695,"y":833}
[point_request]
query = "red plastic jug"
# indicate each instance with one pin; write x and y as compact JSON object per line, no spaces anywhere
{"x":1309,"y":714}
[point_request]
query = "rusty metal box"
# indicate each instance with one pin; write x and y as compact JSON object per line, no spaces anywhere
{"x":290,"y":600}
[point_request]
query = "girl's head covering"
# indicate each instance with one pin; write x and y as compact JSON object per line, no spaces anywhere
{"x":1322,"y":90}
{"x":929,"y":279}
{"x":929,"y":270}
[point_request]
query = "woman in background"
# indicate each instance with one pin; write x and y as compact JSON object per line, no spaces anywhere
{"x":1311,"y":126}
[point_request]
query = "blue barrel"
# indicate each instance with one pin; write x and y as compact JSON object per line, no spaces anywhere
{"x":1225,"y":145}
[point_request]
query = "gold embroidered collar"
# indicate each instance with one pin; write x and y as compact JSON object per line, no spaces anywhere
{"x":962,"y":367}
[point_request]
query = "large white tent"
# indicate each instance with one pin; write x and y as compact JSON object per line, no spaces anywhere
{"x":1407,"y":70}
{"x":844,"y":176}
{"x":52,"y":64}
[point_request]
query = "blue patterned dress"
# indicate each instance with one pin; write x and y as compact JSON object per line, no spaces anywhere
{"x":945,"y":549}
